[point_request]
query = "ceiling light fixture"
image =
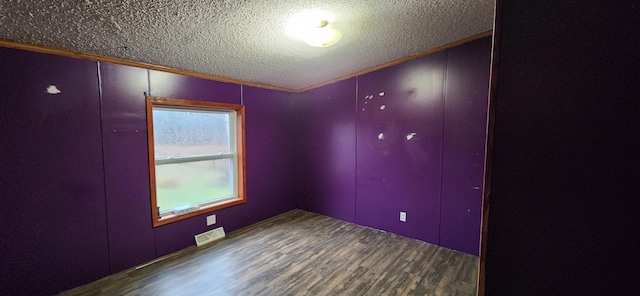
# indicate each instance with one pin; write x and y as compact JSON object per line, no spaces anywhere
{"x":312,"y":26}
{"x":322,"y":35}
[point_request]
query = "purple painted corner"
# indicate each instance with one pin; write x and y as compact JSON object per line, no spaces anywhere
{"x":327,"y":153}
{"x":270,"y":143}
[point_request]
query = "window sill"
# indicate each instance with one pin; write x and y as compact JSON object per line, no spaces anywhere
{"x":203,"y":210}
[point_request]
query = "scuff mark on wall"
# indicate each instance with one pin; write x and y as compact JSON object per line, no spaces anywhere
{"x":53,"y":90}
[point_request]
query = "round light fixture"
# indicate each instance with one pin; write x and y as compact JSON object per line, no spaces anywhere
{"x":322,"y":35}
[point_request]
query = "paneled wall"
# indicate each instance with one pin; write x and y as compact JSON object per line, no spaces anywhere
{"x":327,"y":141}
{"x":74,"y":168}
{"x":54,"y":220}
{"x":400,"y":117}
{"x":126,"y":165}
{"x":463,"y":145}
{"x":419,"y":131}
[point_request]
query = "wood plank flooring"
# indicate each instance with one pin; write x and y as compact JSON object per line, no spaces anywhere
{"x":300,"y":253}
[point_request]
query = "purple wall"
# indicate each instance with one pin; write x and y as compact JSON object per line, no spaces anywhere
{"x":564,"y":191}
{"x":54,"y":226}
{"x":75,"y":170}
{"x":126,"y":165}
{"x":271,"y":167}
{"x":419,"y":138}
{"x":463,"y":150}
{"x":327,"y":135}
{"x":400,"y":113}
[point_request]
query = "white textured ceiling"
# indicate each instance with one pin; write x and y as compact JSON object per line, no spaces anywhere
{"x":245,"y":39}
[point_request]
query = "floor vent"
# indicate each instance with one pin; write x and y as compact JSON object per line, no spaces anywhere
{"x":209,"y":236}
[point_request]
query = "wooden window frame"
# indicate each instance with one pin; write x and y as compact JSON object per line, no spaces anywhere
{"x":240,"y":173}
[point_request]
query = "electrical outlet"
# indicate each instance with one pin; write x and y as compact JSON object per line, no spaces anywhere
{"x":211,"y":220}
{"x":403,"y":216}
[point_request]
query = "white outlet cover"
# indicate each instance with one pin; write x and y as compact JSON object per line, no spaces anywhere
{"x":211,"y":220}
{"x":403,"y":216}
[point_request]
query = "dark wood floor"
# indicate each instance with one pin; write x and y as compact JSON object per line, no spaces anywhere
{"x":300,"y":253}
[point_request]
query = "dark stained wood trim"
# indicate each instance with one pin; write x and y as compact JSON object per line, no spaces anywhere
{"x":93,"y":57}
{"x":240,"y":151}
{"x":399,"y":61}
{"x":491,"y":114}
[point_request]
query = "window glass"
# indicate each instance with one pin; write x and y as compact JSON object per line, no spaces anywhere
{"x":193,"y":183}
{"x":190,"y":132}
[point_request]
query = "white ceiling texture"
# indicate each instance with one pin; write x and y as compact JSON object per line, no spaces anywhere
{"x":246,"y":40}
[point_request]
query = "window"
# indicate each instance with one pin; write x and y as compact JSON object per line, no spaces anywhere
{"x":196,"y":157}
